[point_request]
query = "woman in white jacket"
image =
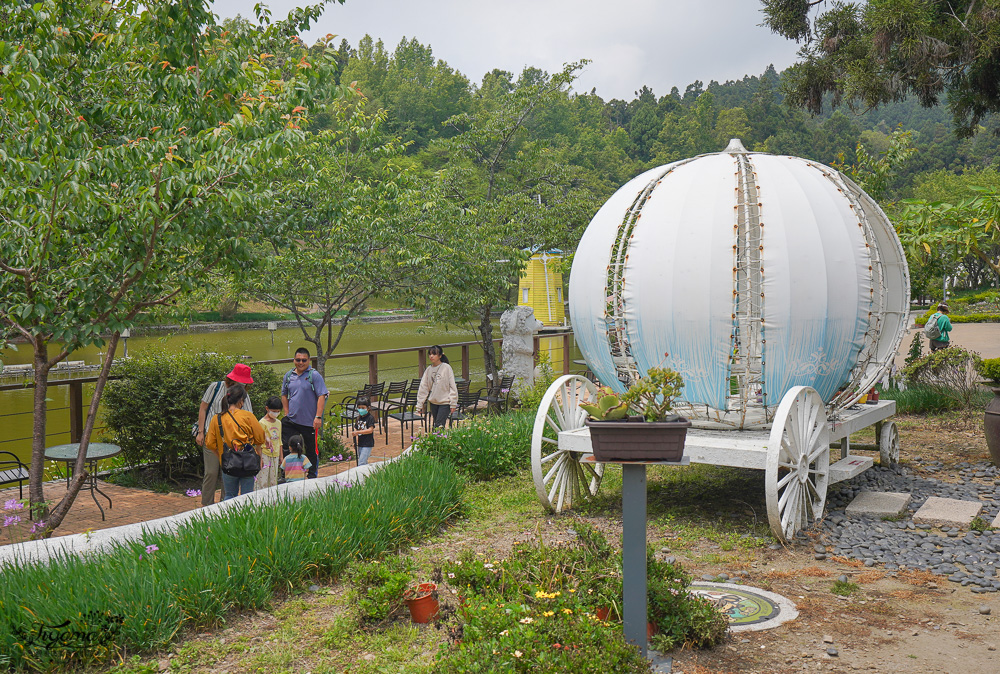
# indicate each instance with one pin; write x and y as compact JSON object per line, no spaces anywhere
{"x":438,"y":386}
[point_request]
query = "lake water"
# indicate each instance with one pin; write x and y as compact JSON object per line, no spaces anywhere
{"x":343,"y":375}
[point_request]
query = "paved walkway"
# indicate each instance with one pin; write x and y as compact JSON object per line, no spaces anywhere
{"x":131,"y":506}
{"x":983,"y":338}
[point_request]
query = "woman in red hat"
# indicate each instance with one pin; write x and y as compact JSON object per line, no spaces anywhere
{"x":211,"y":404}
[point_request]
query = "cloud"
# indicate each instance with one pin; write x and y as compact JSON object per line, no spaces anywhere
{"x":631,"y":43}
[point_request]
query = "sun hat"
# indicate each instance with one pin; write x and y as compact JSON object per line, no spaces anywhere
{"x":943,"y":307}
{"x":241,"y":374}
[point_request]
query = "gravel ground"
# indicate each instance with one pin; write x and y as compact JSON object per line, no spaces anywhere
{"x":962,"y":556}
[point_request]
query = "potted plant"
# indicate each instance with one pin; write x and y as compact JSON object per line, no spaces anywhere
{"x":421,"y":599}
{"x":652,"y":433}
{"x":989,"y":368}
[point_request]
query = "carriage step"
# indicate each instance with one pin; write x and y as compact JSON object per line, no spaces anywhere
{"x":847,"y":468}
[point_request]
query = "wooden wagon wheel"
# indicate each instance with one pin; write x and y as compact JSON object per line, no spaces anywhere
{"x":797,"y":472}
{"x":560,"y":478}
{"x":888,"y":444}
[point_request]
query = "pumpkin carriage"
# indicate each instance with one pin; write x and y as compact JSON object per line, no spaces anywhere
{"x":774,"y":285}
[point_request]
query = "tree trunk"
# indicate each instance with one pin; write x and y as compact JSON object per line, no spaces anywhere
{"x":36,"y":495}
{"x":80,"y":474}
{"x":489,"y":356}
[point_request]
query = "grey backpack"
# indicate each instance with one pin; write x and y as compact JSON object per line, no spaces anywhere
{"x":932,"y":329}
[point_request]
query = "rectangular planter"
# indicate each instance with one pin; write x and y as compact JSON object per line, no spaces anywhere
{"x":634,"y":439}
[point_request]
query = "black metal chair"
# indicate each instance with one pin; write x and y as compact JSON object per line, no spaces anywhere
{"x":407,"y":414}
{"x":462,"y":386}
{"x":12,"y":470}
{"x":468,"y":405}
{"x":348,"y":413}
{"x":501,"y":394}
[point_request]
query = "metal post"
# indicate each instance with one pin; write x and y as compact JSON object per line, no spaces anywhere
{"x":634,"y":554}
{"x":373,"y":368}
{"x":465,"y":362}
{"x":565,"y":353}
{"x":75,"y":411}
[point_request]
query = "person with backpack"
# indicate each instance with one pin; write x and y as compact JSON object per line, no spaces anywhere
{"x":303,"y":398}
{"x":211,"y":405}
{"x":238,"y":428}
{"x":937,"y":328}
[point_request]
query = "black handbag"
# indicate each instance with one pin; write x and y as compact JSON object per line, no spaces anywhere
{"x":238,"y":461}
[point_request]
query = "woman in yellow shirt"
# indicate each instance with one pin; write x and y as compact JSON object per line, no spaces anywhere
{"x":239,"y":428}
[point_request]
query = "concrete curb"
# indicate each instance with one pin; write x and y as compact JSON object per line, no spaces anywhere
{"x":42,"y":551}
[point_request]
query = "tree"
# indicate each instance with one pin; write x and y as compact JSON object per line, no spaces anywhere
{"x":128,"y":135}
{"x":339,"y":230}
{"x":874,"y":173}
{"x":509,"y":195}
{"x":874,"y":53}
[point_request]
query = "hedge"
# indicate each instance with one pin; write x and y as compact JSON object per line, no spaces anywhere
{"x":150,"y":410}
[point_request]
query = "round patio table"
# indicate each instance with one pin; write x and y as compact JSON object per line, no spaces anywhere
{"x":95,"y":452}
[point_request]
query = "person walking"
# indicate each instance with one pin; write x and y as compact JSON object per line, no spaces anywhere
{"x":943,"y":324}
{"x":303,"y":399}
{"x":237,"y":428}
{"x":211,"y":404}
{"x":438,"y":386}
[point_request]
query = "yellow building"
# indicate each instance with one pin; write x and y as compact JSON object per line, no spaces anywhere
{"x":541,"y":287}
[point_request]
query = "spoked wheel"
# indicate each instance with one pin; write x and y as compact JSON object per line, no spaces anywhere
{"x":888,"y":444}
{"x":560,"y":479}
{"x":798,"y":462}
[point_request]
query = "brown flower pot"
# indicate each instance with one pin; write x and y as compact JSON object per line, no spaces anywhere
{"x":604,"y":612}
{"x":992,"y":425}
{"x":635,"y":439}
{"x":421,"y":602}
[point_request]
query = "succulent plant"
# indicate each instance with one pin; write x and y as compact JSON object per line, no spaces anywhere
{"x":608,"y":408}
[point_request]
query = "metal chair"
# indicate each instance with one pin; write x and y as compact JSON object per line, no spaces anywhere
{"x":501,"y":394}
{"x":407,"y":414}
{"x":12,"y":470}
{"x":462,"y":386}
{"x":348,"y":413}
{"x":468,"y":405}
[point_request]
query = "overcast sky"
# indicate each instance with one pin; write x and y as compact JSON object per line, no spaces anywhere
{"x":660,"y":43}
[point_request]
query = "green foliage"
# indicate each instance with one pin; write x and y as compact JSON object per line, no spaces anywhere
{"x":341,"y":227}
{"x":989,"y":368}
{"x":139,"y":598}
{"x":538,"y":608}
{"x":608,"y":407}
{"x":485,"y":447}
{"x":530,"y":397}
{"x":916,"y":349}
{"x":844,"y":588}
{"x":653,"y":395}
{"x":379,"y":587}
{"x":874,"y":174}
{"x":130,"y":139}
{"x":952,"y":371}
{"x":865,"y":54}
{"x":922,"y":399}
{"x":150,"y":409}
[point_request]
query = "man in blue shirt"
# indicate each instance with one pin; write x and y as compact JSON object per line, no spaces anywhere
{"x":303,"y":398}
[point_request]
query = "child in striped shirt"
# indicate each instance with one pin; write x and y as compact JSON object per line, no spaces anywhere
{"x":296,"y":464}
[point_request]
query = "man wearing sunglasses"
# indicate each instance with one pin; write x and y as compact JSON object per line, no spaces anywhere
{"x":303,"y":398}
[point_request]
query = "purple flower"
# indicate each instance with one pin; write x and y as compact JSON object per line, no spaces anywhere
{"x":36,"y":527}
{"x":151,"y":549}
{"x":11,"y":520}
{"x":13,"y":504}
{"x":194,"y":492}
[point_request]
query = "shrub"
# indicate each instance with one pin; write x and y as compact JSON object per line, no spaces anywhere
{"x":989,"y":368}
{"x":379,"y":586}
{"x":139,"y":596}
{"x":951,"y":370}
{"x":530,"y":397}
{"x":916,"y":351}
{"x":538,"y":608}
{"x":484,"y":447}
{"x":151,"y":408}
{"x":922,"y":399}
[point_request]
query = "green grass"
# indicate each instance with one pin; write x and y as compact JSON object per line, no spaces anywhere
{"x":138,"y":599}
{"x":844,"y":589}
{"x":929,"y":399}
